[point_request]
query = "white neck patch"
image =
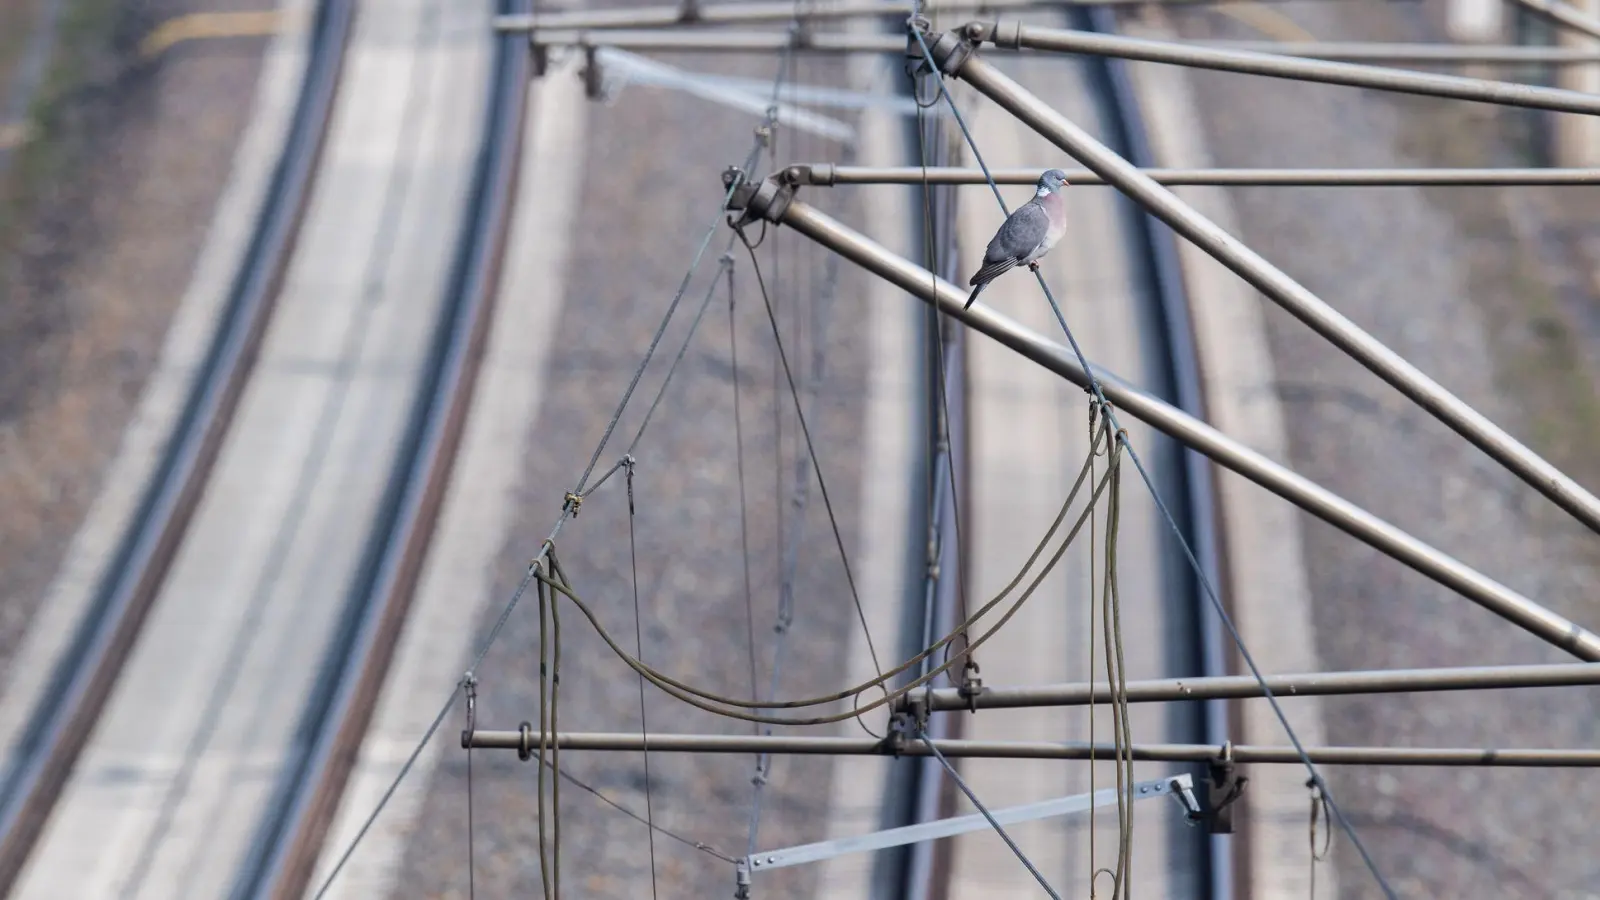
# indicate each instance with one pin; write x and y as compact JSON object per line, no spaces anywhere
{"x":1041,"y":191}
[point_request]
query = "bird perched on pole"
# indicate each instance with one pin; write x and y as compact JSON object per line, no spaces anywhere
{"x":1027,"y":234}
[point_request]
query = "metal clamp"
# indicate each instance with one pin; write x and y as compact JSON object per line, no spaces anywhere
{"x":593,"y":74}
{"x":765,"y":201}
{"x":1224,"y":785}
{"x":469,"y":683}
{"x":906,"y":724}
{"x":971,"y":687}
{"x":525,"y":741}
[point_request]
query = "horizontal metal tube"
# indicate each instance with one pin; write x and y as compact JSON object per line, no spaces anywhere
{"x":1273,"y":283}
{"x":781,"y":11}
{"x":701,"y":40}
{"x":831,"y":746}
{"x":1413,"y":53}
{"x":1295,"y":488}
{"x":828,"y":174}
{"x":1014,"y":34}
{"x":1315,"y":684}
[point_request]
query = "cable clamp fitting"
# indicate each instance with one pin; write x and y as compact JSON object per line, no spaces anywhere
{"x":525,"y":741}
{"x":1224,"y":785}
{"x":469,"y":684}
{"x":971,"y":686}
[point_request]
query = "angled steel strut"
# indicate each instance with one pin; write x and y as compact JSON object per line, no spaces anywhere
{"x":956,"y":56}
{"x":774,"y":201}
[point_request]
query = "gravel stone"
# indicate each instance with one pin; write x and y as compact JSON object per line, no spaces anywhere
{"x":1491,"y":292}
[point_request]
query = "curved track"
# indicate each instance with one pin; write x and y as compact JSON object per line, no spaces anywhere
{"x":922,"y":872}
{"x":82,"y":680}
{"x":285,"y":849}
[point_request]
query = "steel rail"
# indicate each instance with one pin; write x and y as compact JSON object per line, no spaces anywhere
{"x":81,"y":683}
{"x":1233,"y":687}
{"x":830,"y":175}
{"x":284,"y":852}
{"x":1014,"y":35}
{"x":1271,"y":281}
{"x":523,"y":740}
{"x":936,"y":607}
{"x":773,"y":206}
{"x":1199,"y":645}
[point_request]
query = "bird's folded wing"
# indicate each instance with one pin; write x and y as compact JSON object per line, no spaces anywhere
{"x":1022,"y":232}
{"x":992,"y":270}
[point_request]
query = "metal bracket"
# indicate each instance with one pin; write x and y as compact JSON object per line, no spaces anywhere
{"x":593,"y":74}
{"x":950,"y":50}
{"x":741,"y":879}
{"x":525,"y":741}
{"x":469,"y":683}
{"x":906,"y":723}
{"x":1005,"y":35}
{"x":1223,"y":788}
{"x":1179,"y":785}
{"x":539,"y":54}
{"x":971,"y":687}
{"x":767,"y":200}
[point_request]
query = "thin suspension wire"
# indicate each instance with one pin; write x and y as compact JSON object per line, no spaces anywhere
{"x":956,"y":777}
{"x":702,"y":846}
{"x":932,"y":250}
{"x":1194,"y":563}
{"x":472,"y":852}
{"x":816,"y":464}
{"x":567,"y":509}
{"x":720,"y":705}
{"x":638,"y":635}
{"x":694,"y":327}
{"x":785,"y":611}
{"x":1089,"y":677}
{"x":744,"y":519}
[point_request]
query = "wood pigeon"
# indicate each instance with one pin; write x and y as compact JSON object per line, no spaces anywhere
{"x":1027,"y":234}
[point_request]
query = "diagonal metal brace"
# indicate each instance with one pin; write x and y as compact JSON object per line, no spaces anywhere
{"x":1180,"y":787}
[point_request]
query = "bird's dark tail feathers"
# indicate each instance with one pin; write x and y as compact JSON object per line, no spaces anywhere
{"x":974,"y":295}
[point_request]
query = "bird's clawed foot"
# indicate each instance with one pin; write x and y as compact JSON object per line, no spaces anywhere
{"x":1034,"y":265}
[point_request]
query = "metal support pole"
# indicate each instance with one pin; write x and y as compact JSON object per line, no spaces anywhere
{"x":767,"y":200}
{"x":829,"y":175}
{"x":1014,"y":35}
{"x":1271,"y":281}
{"x":1179,"y":787}
{"x":658,"y":41}
{"x":840,"y":746}
{"x":702,"y":40}
{"x":783,"y":11}
{"x":1234,"y":687}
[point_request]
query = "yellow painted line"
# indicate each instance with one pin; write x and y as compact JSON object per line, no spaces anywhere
{"x":1266,"y":20}
{"x":199,"y":26}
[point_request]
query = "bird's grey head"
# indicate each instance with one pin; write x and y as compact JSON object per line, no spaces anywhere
{"x":1052,"y":180}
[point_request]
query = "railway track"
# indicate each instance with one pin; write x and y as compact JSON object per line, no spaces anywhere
{"x":285,"y":851}
{"x":305,"y":790}
{"x":83,"y":677}
{"x":922,"y":871}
